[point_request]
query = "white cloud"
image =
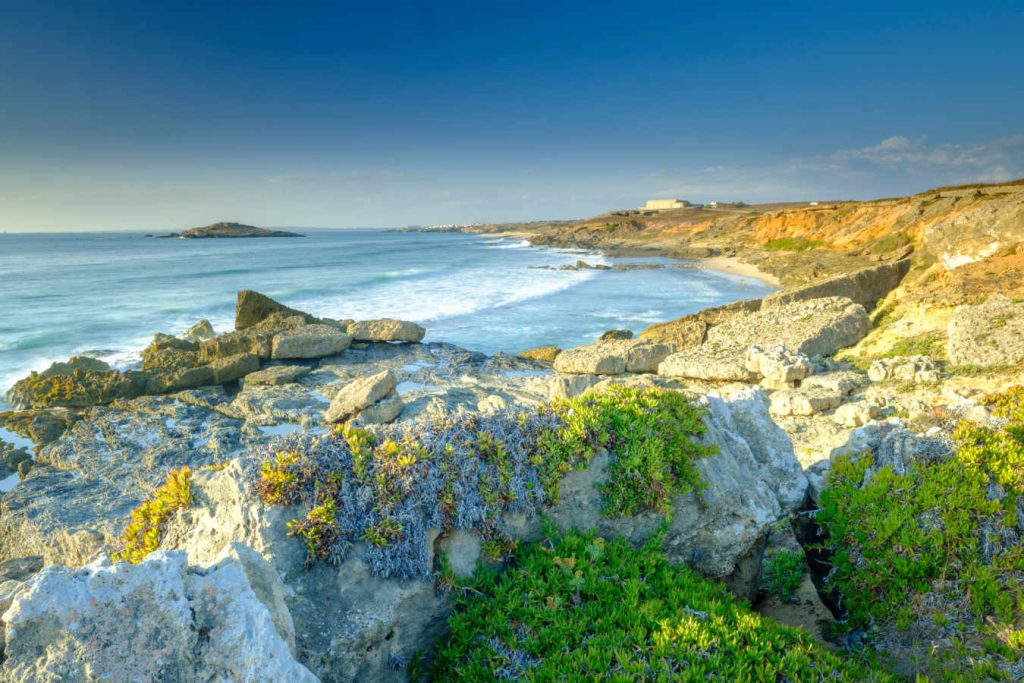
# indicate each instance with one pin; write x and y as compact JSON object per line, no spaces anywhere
{"x":899,"y":150}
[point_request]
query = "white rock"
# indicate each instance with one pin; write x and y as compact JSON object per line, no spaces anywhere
{"x":386,"y":330}
{"x":309,"y":341}
{"x":360,"y":394}
{"x":778,"y":367}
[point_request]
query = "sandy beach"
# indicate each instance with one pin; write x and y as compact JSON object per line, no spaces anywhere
{"x":734,"y":266}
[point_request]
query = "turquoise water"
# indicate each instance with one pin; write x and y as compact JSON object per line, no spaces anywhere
{"x":105,"y":294}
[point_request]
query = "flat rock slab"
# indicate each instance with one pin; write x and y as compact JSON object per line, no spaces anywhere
{"x":276,"y":375}
{"x":818,"y":327}
{"x":708,"y":363}
{"x":988,"y":335}
{"x":309,"y":341}
{"x":612,"y":358}
{"x":386,"y":330}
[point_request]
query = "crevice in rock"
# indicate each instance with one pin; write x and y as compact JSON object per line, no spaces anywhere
{"x":818,"y":558}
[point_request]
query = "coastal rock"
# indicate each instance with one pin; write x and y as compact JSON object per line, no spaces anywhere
{"x":383,"y":411}
{"x":80,"y":389}
{"x":80,"y":363}
{"x":43,"y":426}
{"x":681,"y":334}
{"x":201,"y":331}
{"x":234,"y":343}
{"x":702,"y":363}
{"x":778,"y":367}
{"x":612,"y":335}
{"x":818,"y":327}
{"x":803,"y":402}
{"x":163,"y":381}
{"x":252,"y":308}
{"x":309,"y":341}
{"x":612,"y":358}
{"x":545,"y":354}
{"x":386,"y":330}
{"x":360,"y":394}
{"x":857,"y":414}
{"x":916,"y":369}
{"x":234,"y":367}
{"x":276,"y":375}
{"x":157,"y":620}
{"x":866,"y":287}
{"x":569,"y":386}
{"x":267,"y":405}
{"x":839,"y":382}
{"x":987,"y":335}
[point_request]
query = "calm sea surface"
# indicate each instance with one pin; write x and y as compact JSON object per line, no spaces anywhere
{"x":105,"y":294}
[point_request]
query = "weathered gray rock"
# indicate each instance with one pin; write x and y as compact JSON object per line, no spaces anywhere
{"x":612,"y":358}
{"x":309,"y":341}
{"x":267,"y":405}
{"x":857,"y":414}
{"x":707,"y":364}
{"x":818,"y":327}
{"x":383,"y":411}
{"x":988,"y":335}
{"x":360,"y":394}
{"x":201,"y":331}
{"x":778,"y":367}
{"x":68,"y":367}
{"x":276,"y":375}
{"x":916,"y":369}
{"x":803,"y":402}
{"x":569,"y":386}
{"x":865,"y":287}
{"x":234,"y":343}
{"x":386,"y":330}
{"x":157,"y":620}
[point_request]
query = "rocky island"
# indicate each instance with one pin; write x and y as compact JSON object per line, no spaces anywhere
{"x":821,"y":484}
{"x":229,"y":231}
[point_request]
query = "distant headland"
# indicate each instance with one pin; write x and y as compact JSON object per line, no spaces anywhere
{"x":229,"y":230}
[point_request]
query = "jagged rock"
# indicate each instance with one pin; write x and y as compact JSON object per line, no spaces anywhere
{"x":803,"y":401}
{"x":779,"y":367}
{"x":612,"y":358}
{"x":542,"y":353}
{"x":252,"y":308}
{"x":234,"y":367}
{"x":165,"y":381}
{"x":309,"y":341}
{"x":276,"y":375}
{"x":568,"y":386}
{"x":702,"y":363}
{"x":201,"y":331}
{"x":41,"y":425}
{"x":81,"y":363}
{"x":818,"y":327}
{"x":840,"y":382}
{"x":360,"y":394}
{"x":612,"y":335}
{"x":383,"y":411}
{"x":169,"y":353}
{"x":386,"y":330}
{"x":157,"y":620}
{"x":988,"y":335}
{"x":916,"y":369}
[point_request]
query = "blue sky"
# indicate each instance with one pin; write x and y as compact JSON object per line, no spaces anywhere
{"x":130,"y":115}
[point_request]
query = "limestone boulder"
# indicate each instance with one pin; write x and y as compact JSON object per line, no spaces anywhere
{"x":803,"y":402}
{"x":709,"y":364}
{"x":158,"y":620}
{"x":79,"y":389}
{"x":309,"y":341}
{"x":383,"y":411}
{"x":234,"y":343}
{"x":234,"y":367}
{"x":612,"y":358}
{"x":201,"y":331}
{"x":987,"y":335}
{"x":916,"y":369}
{"x":360,"y":394}
{"x":386,"y":330}
{"x":857,"y":414}
{"x":778,"y":367}
{"x":613,"y":335}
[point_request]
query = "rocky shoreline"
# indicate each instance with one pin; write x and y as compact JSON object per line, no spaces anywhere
{"x":788,"y":387}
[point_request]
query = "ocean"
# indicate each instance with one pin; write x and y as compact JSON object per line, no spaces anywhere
{"x":106,"y":294}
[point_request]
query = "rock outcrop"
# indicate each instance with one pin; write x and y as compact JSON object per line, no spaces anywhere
{"x":987,"y":335}
{"x":309,"y":341}
{"x":916,"y":369}
{"x":161,"y":620}
{"x":386,"y":330}
{"x":363,"y":394}
{"x":612,"y":358}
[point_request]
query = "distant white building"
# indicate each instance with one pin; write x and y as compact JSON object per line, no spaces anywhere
{"x":661,"y":204}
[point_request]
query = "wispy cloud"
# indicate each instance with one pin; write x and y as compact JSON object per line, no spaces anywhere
{"x":899,"y":150}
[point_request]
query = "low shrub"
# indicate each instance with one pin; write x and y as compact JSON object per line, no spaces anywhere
{"x":576,"y":607}
{"x":142,"y":535}
{"x":793,"y":244}
{"x":463,"y":471}
{"x":783,"y":573}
